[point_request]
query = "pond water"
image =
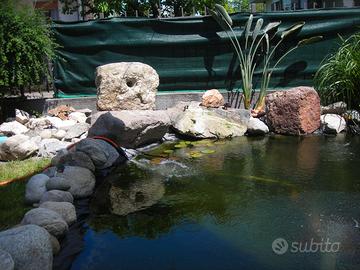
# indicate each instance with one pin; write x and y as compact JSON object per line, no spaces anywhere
{"x":224,"y":205}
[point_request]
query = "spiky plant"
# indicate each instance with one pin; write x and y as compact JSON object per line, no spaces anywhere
{"x":338,"y":79}
{"x":247,"y":53}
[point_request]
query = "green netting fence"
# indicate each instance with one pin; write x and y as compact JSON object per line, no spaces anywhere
{"x":190,"y":53}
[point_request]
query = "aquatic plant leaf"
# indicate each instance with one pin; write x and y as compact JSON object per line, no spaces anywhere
{"x":309,"y":40}
{"x":196,"y":155}
{"x":219,"y":142}
{"x":219,"y":20}
{"x":257,"y":28}
{"x":222,"y":11}
{"x":180,"y":145}
{"x":292,"y":29}
{"x":248,"y":25}
{"x":169,"y":151}
{"x":208,"y":151}
{"x":271,"y":26}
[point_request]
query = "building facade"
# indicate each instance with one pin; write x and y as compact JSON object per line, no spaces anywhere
{"x":279,"y":5}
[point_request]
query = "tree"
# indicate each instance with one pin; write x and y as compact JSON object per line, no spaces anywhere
{"x":26,"y":46}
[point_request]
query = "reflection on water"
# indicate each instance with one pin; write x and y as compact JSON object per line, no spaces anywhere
{"x":223,"y":210}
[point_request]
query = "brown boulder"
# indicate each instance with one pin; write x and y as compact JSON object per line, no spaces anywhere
{"x":295,"y":111}
{"x":212,"y":99}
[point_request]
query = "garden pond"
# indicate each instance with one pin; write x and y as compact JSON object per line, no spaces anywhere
{"x":229,"y":205}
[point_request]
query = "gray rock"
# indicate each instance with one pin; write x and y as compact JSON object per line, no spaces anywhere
{"x":81,"y":180}
{"x":76,"y":131}
{"x":200,"y":122}
{"x":86,"y":111}
{"x":51,"y":171}
{"x":64,"y":209}
{"x":49,"y":147}
{"x":126,"y":86}
{"x":73,"y":158}
{"x":131,"y":129}
{"x":48,"y":219}
{"x":102,"y":154}
{"x":332,"y":123}
{"x":21,"y":116}
{"x":29,"y":246}
{"x":77,"y":116}
{"x":57,"y":183}
{"x":35,"y":188}
{"x":60,"y":134}
{"x":12,"y":128}
{"x":57,"y":196}
{"x":256,"y":127}
{"x":17,"y":147}
{"x":46,"y":133}
{"x":353,"y":115}
{"x":335,"y":108}
{"x":38,"y":123}
{"x":55,"y":245}
{"x":6,"y":261}
{"x":67,"y":124}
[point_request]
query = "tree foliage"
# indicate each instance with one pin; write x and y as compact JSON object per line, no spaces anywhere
{"x":26,"y":46}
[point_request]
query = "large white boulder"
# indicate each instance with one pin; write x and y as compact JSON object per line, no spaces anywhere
{"x":200,"y":122}
{"x":29,"y":246}
{"x":12,"y":128}
{"x":126,"y":86}
{"x":256,"y":127}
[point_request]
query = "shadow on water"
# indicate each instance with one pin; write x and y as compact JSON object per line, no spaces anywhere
{"x":224,"y":209}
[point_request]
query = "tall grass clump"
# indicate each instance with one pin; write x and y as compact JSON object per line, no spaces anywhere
{"x":338,"y":79}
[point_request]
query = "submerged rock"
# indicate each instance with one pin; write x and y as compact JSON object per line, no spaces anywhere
{"x":131,"y":129}
{"x":294,"y":112}
{"x":332,"y":123}
{"x":17,"y":147}
{"x":256,"y":127}
{"x":200,"y":122}
{"x":35,"y":188}
{"x":47,"y":219}
{"x":126,"y":86}
{"x":212,"y":99}
{"x":29,"y":246}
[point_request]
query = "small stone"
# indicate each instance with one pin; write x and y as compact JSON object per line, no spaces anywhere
{"x":212,"y":99}
{"x":38,"y":123}
{"x":73,"y":158}
{"x":57,"y":196}
{"x":67,"y":124}
{"x":48,"y":219}
{"x":35,"y":188}
{"x":86,"y":111}
{"x":64,"y":209}
{"x":335,"y":108}
{"x":49,"y":147}
{"x":46,"y":134}
{"x":61,"y":111}
{"x":55,"y":245}
{"x":12,"y":128}
{"x":78,"y":117}
{"x":57,"y":183}
{"x":21,"y":116}
{"x":76,"y":131}
{"x":60,"y":134}
{"x":256,"y":127}
{"x":29,"y":246}
{"x":332,"y":123}
{"x":6,"y":261}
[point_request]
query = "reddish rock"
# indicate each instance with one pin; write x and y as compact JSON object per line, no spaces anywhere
{"x":212,"y":99}
{"x":295,"y":111}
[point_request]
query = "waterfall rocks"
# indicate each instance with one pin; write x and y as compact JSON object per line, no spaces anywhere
{"x":126,"y":86}
{"x":294,"y":112}
{"x":12,"y":128}
{"x":17,"y":147}
{"x":332,"y":123}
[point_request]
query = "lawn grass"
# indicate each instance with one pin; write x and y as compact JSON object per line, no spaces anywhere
{"x":12,"y":206}
{"x":18,"y":169}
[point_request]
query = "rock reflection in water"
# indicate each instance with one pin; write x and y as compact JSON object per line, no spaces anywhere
{"x":129,"y":189}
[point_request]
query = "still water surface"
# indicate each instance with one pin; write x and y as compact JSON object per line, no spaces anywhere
{"x":224,"y":210}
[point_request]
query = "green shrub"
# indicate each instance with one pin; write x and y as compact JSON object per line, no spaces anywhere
{"x":26,"y":46}
{"x":338,"y":79}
